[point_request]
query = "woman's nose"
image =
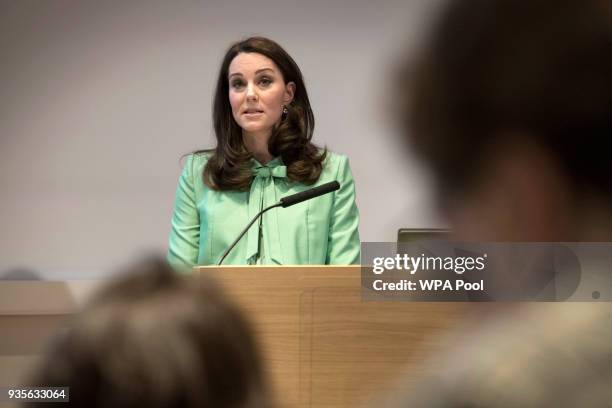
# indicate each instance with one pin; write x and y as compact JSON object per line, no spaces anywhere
{"x":251,"y":92}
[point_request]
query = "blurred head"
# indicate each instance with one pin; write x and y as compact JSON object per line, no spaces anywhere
{"x":261,"y":93}
{"x":510,"y":107}
{"x":155,"y":339}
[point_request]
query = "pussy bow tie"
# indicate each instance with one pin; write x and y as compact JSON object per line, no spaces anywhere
{"x":263,"y":193}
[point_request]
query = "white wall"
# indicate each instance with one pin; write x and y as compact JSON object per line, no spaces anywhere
{"x":101,"y":98}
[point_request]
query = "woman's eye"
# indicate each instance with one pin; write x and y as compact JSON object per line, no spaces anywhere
{"x":265,"y":81}
{"x":237,"y":84}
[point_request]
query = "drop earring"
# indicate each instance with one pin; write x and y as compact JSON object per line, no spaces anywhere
{"x":285,"y":111}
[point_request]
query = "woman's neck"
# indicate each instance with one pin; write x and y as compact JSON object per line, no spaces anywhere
{"x":257,"y":145}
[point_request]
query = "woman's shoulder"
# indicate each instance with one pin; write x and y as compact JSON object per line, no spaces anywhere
{"x":334,"y":161}
{"x":196,"y":161}
{"x":200,"y":156}
{"x":334,"y":166}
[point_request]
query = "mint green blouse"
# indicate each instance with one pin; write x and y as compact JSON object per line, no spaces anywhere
{"x":323,"y":230}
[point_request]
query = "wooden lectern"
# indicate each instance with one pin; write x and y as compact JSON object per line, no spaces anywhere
{"x":325,"y":347}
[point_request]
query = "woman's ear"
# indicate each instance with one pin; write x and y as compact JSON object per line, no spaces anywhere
{"x":289,"y":92}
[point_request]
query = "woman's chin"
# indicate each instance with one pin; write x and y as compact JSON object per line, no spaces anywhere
{"x":255,"y":128}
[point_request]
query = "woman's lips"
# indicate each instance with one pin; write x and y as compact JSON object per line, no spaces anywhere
{"x":253,"y":113}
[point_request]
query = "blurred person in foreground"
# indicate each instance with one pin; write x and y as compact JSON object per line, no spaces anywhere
{"x":510,"y":107}
{"x":156,"y":339}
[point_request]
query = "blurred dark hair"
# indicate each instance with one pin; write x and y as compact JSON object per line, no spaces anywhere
{"x":229,"y":165}
{"x":156,"y":339}
{"x":496,"y":68}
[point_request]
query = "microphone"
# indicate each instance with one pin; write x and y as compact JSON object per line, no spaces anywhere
{"x":308,"y":194}
{"x":286,"y":202}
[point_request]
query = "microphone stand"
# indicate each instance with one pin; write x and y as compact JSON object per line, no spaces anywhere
{"x":246,"y":229}
{"x":287,"y":202}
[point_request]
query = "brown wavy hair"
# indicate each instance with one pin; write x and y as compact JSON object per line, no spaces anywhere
{"x":229,"y":166}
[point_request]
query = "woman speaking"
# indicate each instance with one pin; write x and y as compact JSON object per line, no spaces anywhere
{"x":263,"y":125}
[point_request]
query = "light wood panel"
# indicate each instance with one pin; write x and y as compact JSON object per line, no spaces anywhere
{"x":323,"y":346}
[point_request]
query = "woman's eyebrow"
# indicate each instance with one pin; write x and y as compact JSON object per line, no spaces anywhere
{"x":256,"y":72}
